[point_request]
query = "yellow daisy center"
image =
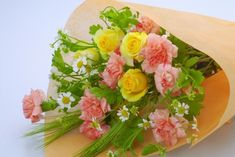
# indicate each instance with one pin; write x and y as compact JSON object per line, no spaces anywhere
{"x":124,"y":113}
{"x":80,"y":64}
{"x":66,"y":100}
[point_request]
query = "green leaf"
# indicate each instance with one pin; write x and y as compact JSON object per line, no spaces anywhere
{"x":191,"y":62}
{"x":195,"y":105}
{"x":197,"y":77}
{"x":123,"y":18}
{"x":183,"y":80}
{"x":140,"y":137}
{"x":94,"y":29}
{"x":49,"y":105}
{"x":58,"y":62}
{"x":126,"y":137}
{"x":70,"y":44}
{"x":112,"y":96}
{"x":151,"y":148}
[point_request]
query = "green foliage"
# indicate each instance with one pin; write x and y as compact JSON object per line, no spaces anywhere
{"x":191,"y":62}
{"x":192,"y":58}
{"x":128,"y":134}
{"x":70,"y":44}
{"x":154,"y":148}
{"x":195,"y":105}
{"x":183,"y":50}
{"x":123,"y":18}
{"x":57,"y":128}
{"x":140,"y":137}
{"x":49,"y":105}
{"x":191,"y":79}
{"x":75,"y":87}
{"x":94,"y":29}
{"x":196,"y":77}
{"x":190,"y":76}
{"x":102,"y":143}
{"x":113,"y":96}
{"x":59,"y":63}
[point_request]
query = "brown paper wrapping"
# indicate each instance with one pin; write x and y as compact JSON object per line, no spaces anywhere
{"x":213,"y":36}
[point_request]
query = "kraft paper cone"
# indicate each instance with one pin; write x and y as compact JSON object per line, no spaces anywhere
{"x":213,"y":36}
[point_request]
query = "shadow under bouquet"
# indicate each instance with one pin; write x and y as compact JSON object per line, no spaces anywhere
{"x":132,"y":81}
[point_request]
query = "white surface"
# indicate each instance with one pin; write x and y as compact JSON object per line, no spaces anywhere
{"x":26,"y":29}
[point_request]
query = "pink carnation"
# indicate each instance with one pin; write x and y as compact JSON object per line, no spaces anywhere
{"x":165,"y":77}
{"x":89,"y":131}
{"x":32,"y":105}
{"x":92,"y":107}
{"x":167,"y":129}
{"x":146,"y":25}
{"x":113,"y":70}
{"x":158,"y":50}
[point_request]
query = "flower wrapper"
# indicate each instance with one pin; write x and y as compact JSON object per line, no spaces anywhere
{"x":213,"y":36}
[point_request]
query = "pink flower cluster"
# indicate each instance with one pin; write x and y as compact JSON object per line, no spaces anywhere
{"x":32,"y":105}
{"x":165,"y":77}
{"x":113,"y":70}
{"x":167,"y":129}
{"x":92,"y":133}
{"x":158,"y":54}
{"x":146,"y":25}
{"x":158,"y":50}
{"x":92,"y":108}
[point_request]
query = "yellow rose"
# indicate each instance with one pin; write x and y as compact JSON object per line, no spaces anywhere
{"x":133,"y":84}
{"x":91,"y":53}
{"x":131,"y":46}
{"x":108,"y":40}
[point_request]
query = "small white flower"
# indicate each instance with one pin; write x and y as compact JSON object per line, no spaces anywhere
{"x":79,"y":65}
{"x":195,"y":124}
{"x":166,"y":35}
{"x":110,"y":153}
{"x":181,"y":109}
{"x":96,"y":124}
{"x":192,"y":138}
{"x":65,"y":100}
{"x":146,"y":124}
{"x":123,"y":114}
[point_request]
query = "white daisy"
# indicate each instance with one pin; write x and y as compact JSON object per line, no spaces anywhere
{"x":96,"y":124}
{"x":194,"y":124}
{"x":181,"y":109}
{"x":146,"y":124}
{"x":123,"y":114}
{"x":65,"y":100}
{"x":79,"y":65}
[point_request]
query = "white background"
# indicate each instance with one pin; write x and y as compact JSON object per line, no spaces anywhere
{"x":26,"y":29}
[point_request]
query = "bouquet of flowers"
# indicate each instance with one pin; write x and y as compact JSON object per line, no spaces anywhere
{"x":131,"y":78}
